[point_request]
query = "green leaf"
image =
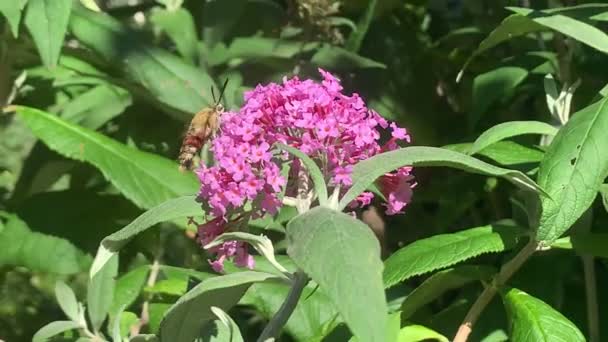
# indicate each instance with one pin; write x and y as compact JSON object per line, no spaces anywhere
{"x":533,"y":320}
{"x":503,"y":152}
{"x":337,"y":58}
{"x":127,"y":289}
{"x":356,"y":37}
{"x":508,"y":130}
{"x":100,"y":292}
{"x":144,"y":178}
{"x":492,"y":86}
{"x":579,"y":30}
{"x":172,"y":287}
{"x":53,"y":329}
{"x":313,"y":169}
{"x":367,"y":171}
{"x":313,"y":317}
{"x":342,"y":255}
{"x":228,"y":324}
{"x":67,"y":300}
{"x":512,"y":26}
{"x":47,"y":21}
{"x":179,"y":26}
{"x":439,"y":283}
{"x":563,"y":20}
{"x":173,"y":82}
{"x":170,"y":210}
{"x":574,"y":168}
{"x":261,"y":243}
{"x":144,"y":338}
{"x":259,"y":47}
{"x":439,"y":251}
{"x":586,"y":244}
{"x":219,"y":18}
{"x":604,"y":193}
{"x":38,"y":252}
{"x":416,"y":333}
{"x":93,"y":108}
{"x":185,"y":319}
{"x":12,"y":11}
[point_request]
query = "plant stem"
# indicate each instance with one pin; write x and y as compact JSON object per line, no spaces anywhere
{"x":488,"y":293}
{"x":144,"y":317}
{"x":273,"y":329}
{"x":591,"y":294}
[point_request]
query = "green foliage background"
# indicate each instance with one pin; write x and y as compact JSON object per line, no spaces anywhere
{"x":97,"y":95}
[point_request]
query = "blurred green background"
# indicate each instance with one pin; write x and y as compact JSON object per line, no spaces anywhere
{"x":136,"y":71}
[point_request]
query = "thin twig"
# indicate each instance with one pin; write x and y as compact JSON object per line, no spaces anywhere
{"x":144,"y":316}
{"x":274,"y":327}
{"x":486,"y":296}
{"x":591,"y":294}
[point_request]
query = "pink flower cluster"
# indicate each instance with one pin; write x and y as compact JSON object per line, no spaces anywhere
{"x":334,"y":129}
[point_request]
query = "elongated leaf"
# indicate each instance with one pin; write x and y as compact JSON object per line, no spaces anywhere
{"x":439,"y":283}
{"x":416,"y":333}
{"x":219,"y":17}
{"x":342,"y":255}
{"x":127,"y":289}
{"x":503,"y":152}
{"x":604,"y":193}
{"x":444,"y":250}
{"x":179,"y":26}
{"x":337,"y":58}
{"x":535,"y":321}
{"x":170,"y":80}
{"x":579,"y":30}
{"x":12,"y":11}
{"x":228,"y":324}
{"x":586,"y":244}
{"x":93,"y":108}
{"x":367,"y":171}
{"x":170,"y":210}
{"x":100,"y":292}
{"x":356,"y":37}
{"x":145,"y":178}
{"x":563,"y":20}
{"x":67,"y":300}
{"x":492,"y":86}
{"x":513,"y":26}
{"x":53,"y":329}
{"x":38,"y":252}
{"x":510,"y":129}
{"x":574,"y":167}
{"x":47,"y":21}
{"x":184,"y":320}
{"x":262,"y":244}
{"x":259,"y":47}
{"x":313,"y":170}
{"x":314,"y":316}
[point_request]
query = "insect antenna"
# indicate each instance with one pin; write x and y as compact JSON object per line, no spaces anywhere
{"x":213,"y":95}
{"x":222,"y":92}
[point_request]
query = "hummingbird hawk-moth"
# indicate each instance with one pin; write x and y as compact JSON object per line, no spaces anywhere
{"x":204,"y":125}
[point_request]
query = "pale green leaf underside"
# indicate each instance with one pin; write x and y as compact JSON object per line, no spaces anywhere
{"x":170,"y":210}
{"x":342,"y":255}
{"x":47,"y":21}
{"x":184,"y":320}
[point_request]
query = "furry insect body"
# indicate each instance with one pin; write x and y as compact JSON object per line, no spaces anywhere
{"x":203,"y":126}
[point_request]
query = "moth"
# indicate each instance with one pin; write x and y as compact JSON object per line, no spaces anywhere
{"x":204,"y":125}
